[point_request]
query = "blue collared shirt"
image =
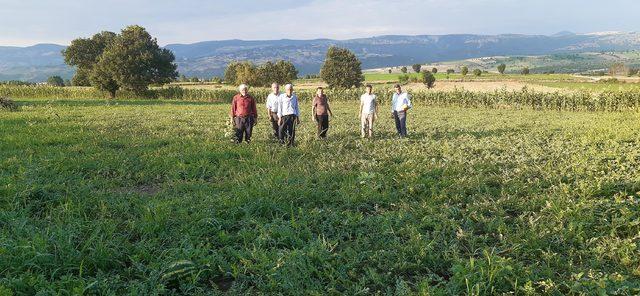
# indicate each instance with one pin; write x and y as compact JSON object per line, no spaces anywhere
{"x":400,"y":100}
{"x":288,"y":105}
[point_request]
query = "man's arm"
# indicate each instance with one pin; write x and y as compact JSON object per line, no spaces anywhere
{"x":329,"y":108}
{"x":375,"y":104}
{"x":313,"y":109}
{"x":279,"y":111}
{"x":297,"y":110}
{"x":233,"y":109}
{"x":361,"y":106}
{"x":393,"y":102}
{"x":254,"y":105}
{"x":268,"y":107}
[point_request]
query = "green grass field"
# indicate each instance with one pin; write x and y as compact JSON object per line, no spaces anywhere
{"x":150,"y":197}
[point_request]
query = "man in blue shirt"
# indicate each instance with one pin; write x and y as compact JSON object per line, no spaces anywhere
{"x":400,"y":104}
{"x":288,"y":115}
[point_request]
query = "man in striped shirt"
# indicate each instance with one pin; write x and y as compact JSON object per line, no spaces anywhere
{"x":288,"y":115}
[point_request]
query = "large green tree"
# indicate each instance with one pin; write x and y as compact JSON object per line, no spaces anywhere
{"x":287,"y":72}
{"x":231,"y":72}
{"x":84,"y":53}
{"x":416,"y":68}
{"x":55,"y":81}
{"x":246,"y":72}
{"x":502,"y":68}
{"x":133,"y":61}
{"x":341,"y":69}
{"x":464,"y":70}
{"x":428,"y":78}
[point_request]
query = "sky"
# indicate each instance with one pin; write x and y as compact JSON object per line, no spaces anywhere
{"x":29,"y":22}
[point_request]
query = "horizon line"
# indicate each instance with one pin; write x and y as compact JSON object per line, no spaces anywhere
{"x":558,"y":34}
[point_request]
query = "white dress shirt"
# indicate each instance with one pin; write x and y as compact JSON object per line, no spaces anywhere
{"x":288,"y":105}
{"x":400,"y":100}
{"x":272,"y":102}
{"x":368,"y":103}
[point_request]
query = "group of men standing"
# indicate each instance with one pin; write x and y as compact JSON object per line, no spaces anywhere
{"x":283,"y":112}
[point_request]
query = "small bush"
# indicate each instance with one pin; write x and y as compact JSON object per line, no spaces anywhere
{"x":6,"y":104}
{"x":403,"y":79}
{"x":610,"y":80}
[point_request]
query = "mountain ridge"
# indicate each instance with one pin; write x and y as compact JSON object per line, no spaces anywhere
{"x":209,"y":58}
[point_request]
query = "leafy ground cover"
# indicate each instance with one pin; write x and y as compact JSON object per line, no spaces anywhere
{"x":150,"y":197}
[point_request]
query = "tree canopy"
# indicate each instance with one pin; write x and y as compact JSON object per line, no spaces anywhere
{"x":502,"y":68}
{"x":131,"y":60}
{"x":341,"y":69}
{"x":83,"y":53}
{"x":55,"y":81}
{"x":246,"y":72}
{"x":464,"y":70}
{"x":416,"y":68}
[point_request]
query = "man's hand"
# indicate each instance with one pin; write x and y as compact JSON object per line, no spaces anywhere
{"x":297,"y":120}
{"x":255,"y":121}
{"x":279,"y":121}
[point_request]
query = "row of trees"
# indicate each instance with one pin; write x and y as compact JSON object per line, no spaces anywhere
{"x":131,"y":60}
{"x":620,"y":69}
{"x":464,"y":70}
{"x":262,"y":75}
{"x":341,"y":69}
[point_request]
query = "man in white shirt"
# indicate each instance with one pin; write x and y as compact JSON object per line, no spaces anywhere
{"x":272,"y":108}
{"x":288,"y":115}
{"x":368,"y":112}
{"x":400,"y":104}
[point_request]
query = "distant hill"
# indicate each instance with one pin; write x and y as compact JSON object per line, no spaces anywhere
{"x":33,"y":63}
{"x":206,"y":59}
{"x":575,"y":62}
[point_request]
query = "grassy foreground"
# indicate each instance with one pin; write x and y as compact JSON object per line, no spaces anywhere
{"x":150,"y":197}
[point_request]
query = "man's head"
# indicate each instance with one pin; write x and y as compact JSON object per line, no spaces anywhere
{"x":369,"y":88}
{"x":275,"y":87}
{"x":288,"y":89}
{"x":243,"y":89}
{"x":398,"y":89}
{"x":320,"y":91}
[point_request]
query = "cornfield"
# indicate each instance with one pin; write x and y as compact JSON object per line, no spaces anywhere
{"x":608,"y":101}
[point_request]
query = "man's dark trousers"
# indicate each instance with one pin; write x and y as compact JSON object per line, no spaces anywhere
{"x":323,"y":125}
{"x":287,"y":130}
{"x":273,"y":117}
{"x":243,"y":127}
{"x":401,"y":122}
